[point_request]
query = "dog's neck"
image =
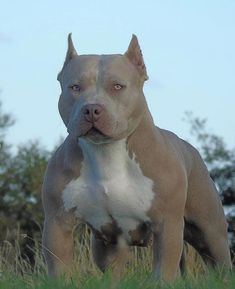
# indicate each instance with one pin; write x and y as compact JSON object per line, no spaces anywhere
{"x":115,"y":155}
{"x":102,"y":158}
{"x":147,"y":132}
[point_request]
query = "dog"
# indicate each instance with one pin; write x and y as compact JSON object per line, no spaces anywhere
{"x":127,"y":179}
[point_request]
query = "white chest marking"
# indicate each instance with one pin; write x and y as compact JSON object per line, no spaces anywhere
{"x":111,"y":186}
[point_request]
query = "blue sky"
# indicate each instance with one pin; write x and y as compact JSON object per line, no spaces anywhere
{"x":188,"y":47}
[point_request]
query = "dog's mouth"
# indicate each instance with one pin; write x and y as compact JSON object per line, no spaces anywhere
{"x":96,"y":136}
{"x":97,"y":132}
{"x":94,"y":132}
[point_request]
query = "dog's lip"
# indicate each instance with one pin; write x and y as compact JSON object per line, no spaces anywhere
{"x":96,"y":136}
{"x":89,"y":131}
{"x":94,"y":132}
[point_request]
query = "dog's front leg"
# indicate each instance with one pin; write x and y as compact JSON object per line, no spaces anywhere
{"x":58,"y":246}
{"x":167,"y":248}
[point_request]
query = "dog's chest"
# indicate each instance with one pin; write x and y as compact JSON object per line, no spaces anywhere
{"x":111,"y":189}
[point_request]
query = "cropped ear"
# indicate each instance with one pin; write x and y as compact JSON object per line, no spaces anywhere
{"x":71,"y":53}
{"x":134,"y":54}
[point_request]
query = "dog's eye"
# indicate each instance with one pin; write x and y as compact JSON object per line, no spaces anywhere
{"x":76,"y":87}
{"x":118,"y":86}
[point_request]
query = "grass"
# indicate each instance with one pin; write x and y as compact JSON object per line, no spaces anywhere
{"x":17,"y":272}
{"x":211,"y":281}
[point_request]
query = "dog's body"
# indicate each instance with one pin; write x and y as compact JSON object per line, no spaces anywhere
{"x":124,"y":177}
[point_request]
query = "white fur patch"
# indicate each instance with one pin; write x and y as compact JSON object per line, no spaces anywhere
{"x":111,"y":186}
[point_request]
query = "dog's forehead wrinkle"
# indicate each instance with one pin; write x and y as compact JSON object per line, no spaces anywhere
{"x":97,"y":59}
{"x":86,"y":76}
{"x":112,"y":69}
{"x":82,"y":64}
{"x":97,"y":69}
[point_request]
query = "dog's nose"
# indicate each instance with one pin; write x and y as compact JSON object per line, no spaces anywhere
{"x":92,"y":112}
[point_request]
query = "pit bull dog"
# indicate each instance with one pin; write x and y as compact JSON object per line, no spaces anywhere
{"x":127,"y":179}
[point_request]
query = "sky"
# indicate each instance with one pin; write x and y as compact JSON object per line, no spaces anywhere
{"x":188,"y":48}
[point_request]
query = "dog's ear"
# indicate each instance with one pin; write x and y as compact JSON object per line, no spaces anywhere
{"x":134,"y":54}
{"x":71,"y":52}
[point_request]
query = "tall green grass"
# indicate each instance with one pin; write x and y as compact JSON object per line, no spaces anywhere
{"x":16,"y":271}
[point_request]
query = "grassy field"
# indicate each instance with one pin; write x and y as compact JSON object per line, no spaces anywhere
{"x":17,"y":272}
{"x":106,"y":282}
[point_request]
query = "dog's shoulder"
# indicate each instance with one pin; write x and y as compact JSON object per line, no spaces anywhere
{"x":67,"y":157}
{"x":64,"y":165}
{"x":176,"y":143}
{"x":184,"y":150}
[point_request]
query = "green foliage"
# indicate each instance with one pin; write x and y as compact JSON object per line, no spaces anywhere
{"x":21,"y":178}
{"x":5,"y":165}
{"x":21,"y":187}
{"x":24,"y":195}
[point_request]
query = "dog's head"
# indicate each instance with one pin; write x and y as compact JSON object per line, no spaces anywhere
{"x":102,"y":95}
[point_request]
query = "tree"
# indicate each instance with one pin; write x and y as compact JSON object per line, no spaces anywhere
{"x":21,"y":177}
{"x":6,"y":121}
{"x":23,"y":181}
